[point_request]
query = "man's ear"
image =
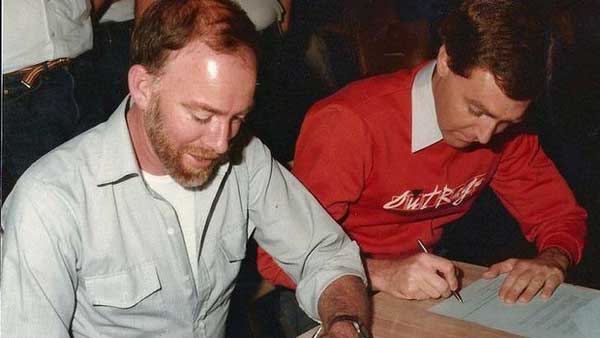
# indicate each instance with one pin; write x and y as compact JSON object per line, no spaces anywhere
{"x":141,"y":83}
{"x":442,"y":62}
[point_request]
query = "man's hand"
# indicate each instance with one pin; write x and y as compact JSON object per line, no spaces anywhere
{"x":284,"y":24}
{"x":421,"y":276}
{"x":527,"y":277}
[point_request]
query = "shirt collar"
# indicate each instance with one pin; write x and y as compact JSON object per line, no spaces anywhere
{"x":425,"y":130}
{"x":117,"y":160}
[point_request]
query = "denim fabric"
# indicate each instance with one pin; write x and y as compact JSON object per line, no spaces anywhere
{"x":111,"y":53}
{"x":101,"y":73}
{"x":293,"y":320}
{"x":35,"y":120}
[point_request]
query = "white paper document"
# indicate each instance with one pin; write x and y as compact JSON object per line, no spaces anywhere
{"x":572,"y":312}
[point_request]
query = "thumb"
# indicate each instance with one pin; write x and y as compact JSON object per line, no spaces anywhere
{"x":499,"y":268}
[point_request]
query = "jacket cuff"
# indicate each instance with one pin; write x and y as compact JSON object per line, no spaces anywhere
{"x":569,"y":245}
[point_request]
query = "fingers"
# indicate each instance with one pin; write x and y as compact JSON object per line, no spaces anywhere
{"x":448,"y":271}
{"x":513,"y":286}
{"x":551,"y":284}
{"x":535,"y":285}
{"x":527,"y":279}
{"x":422,"y":276}
{"x":435,"y":286}
{"x":500,"y":268}
{"x":441,"y":277}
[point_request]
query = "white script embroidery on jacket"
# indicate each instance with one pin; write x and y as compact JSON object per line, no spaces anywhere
{"x":416,"y":199}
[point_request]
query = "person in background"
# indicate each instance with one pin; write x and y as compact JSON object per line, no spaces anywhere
{"x":395,"y":157}
{"x":262,"y":13}
{"x":104,"y":68}
{"x":147,"y":215}
{"x":41,"y":39}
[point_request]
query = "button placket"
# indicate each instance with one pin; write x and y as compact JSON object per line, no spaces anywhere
{"x":175,"y":237}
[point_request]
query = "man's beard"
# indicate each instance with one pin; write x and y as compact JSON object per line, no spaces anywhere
{"x":171,"y":156}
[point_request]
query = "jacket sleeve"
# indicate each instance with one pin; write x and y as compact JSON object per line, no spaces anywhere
{"x":270,"y":271}
{"x":534,"y":192}
{"x":290,"y":225}
{"x":332,"y":160}
{"x":38,"y":271}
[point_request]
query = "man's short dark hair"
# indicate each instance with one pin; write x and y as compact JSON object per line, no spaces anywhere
{"x":169,"y":25}
{"x":505,"y":37}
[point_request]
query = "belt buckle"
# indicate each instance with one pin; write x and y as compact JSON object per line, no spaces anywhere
{"x":32,"y":74}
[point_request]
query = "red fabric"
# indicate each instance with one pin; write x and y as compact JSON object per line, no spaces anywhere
{"x":271,"y":271}
{"x":354,"y":154}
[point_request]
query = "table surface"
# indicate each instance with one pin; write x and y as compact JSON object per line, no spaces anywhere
{"x":398,"y":318}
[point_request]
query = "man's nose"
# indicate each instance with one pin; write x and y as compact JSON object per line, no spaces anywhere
{"x":219,"y":137}
{"x":486,"y":131}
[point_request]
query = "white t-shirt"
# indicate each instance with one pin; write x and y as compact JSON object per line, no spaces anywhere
{"x":184,"y":201}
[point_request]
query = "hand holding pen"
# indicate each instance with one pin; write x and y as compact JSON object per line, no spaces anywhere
{"x":420,"y":276}
{"x":454,"y":293}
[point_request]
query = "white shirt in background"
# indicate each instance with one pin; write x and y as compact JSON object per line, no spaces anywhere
{"x":35,"y":31}
{"x":262,"y":13}
{"x":119,"y":11}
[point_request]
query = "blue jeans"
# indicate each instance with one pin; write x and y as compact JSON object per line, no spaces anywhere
{"x":101,"y":73}
{"x":35,"y":120}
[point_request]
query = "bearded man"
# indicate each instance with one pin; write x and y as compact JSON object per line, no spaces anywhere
{"x":137,"y":228}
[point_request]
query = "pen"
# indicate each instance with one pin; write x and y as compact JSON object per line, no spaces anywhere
{"x":424,"y":249}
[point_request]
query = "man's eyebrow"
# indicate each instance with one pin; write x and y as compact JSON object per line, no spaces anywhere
{"x":196,"y":106}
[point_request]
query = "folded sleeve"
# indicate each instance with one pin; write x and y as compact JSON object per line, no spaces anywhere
{"x":329,"y":131}
{"x":296,"y":231}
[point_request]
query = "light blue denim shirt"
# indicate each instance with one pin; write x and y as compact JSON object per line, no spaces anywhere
{"x":91,"y":251}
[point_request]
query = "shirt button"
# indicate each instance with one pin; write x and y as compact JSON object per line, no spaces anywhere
{"x":170,"y":231}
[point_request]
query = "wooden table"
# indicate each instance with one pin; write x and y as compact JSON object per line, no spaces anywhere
{"x":398,"y":318}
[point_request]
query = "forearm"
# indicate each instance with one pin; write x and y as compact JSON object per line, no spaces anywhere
{"x":287,"y":15}
{"x":377,"y":270}
{"x":347,"y":295}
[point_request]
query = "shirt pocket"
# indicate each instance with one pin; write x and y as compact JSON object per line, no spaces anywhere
{"x":136,"y":288}
{"x":233,"y":245}
{"x":227,"y":264}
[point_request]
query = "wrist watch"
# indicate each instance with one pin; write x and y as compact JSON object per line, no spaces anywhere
{"x":361,"y":329}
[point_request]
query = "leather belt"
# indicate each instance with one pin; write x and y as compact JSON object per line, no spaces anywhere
{"x":29,"y":75}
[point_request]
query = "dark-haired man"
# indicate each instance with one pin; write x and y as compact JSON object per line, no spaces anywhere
{"x":137,"y":228}
{"x":396,"y":157}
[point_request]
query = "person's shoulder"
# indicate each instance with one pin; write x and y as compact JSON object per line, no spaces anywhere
{"x":370,"y":90}
{"x":381,"y":85}
{"x":63,"y":164}
{"x":251,"y":157}
{"x":254,"y":150}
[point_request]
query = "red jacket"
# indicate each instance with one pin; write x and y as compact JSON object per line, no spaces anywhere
{"x":354,"y":154}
